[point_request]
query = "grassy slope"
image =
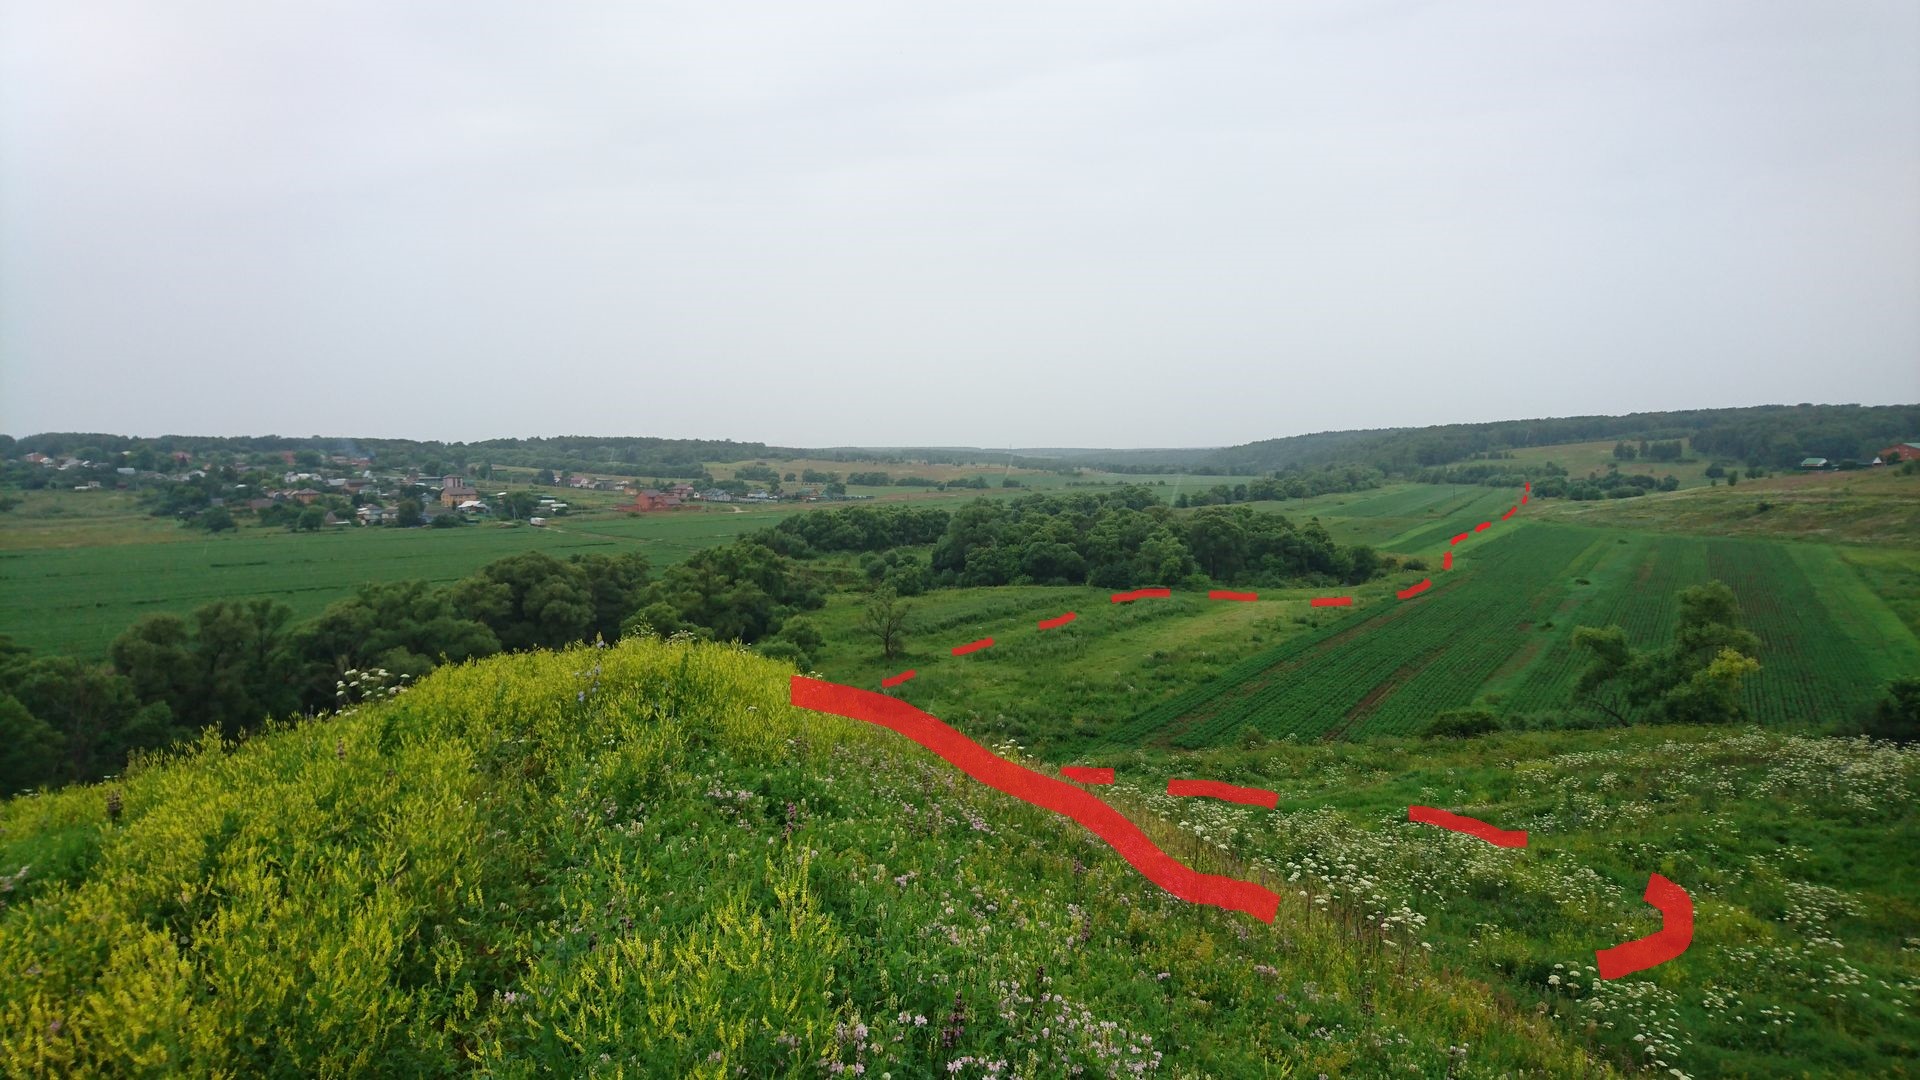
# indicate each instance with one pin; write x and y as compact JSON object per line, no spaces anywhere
{"x":640,"y":861}
{"x":1591,"y":458}
{"x":1877,"y":507}
{"x":1800,"y":854}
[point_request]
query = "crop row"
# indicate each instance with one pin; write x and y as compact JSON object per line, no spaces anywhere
{"x":1809,"y":669}
{"x":1394,"y":670}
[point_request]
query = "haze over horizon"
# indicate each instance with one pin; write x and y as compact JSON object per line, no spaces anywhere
{"x":1056,"y":224}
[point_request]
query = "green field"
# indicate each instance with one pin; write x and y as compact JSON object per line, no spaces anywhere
{"x":75,"y":600}
{"x":1587,"y":458}
{"x":1834,"y":624}
{"x":77,"y":568}
{"x":1498,"y":629}
{"x":1867,"y":506}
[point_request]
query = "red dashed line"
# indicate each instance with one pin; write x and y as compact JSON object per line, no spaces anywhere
{"x":1427,"y":815}
{"x":1045,"y":792}
{"x":1214,"y":789}
{"x":1676,"y":907}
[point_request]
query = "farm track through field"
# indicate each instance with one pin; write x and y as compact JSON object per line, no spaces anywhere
{"x":1366,"y":705}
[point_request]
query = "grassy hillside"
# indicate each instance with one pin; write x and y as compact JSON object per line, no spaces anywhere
{"x":1876,"y":506}
{"x":641,"y":862}
{"x":1800,"y":855}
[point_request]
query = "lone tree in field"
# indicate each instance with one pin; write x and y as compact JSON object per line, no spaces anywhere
{"x":885,"y":618}
{"x":1695,"y":681}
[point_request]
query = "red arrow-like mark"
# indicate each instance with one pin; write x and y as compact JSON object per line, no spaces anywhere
{"x":1483,"y":525}
{"x":1412,"y":591}
{"x":1459,"y":538}
{"x":896,"y":680}
{"x":1427,"y":815}
{"x":1139,"y":594}
{"x":1043,"y":791}
{"x":1672,"y":939}
{"x":1085,"y":775}
{"x":1331,"y":601}
{"x":1446,"y":563}
{"x":1222,"y":594}
{"x":1511,"y":510}
{"x":972,"y":646}
{"x":1057,"y":620}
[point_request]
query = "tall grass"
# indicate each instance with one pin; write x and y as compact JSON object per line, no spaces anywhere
{"x":640,"y":861}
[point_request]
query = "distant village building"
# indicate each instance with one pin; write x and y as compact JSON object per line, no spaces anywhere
{"x":649,"y":499}
{"x":305,"y":496}
{"x":454,"y":491}
{"x":1907,"y":451}
{"x":1813,"y":463}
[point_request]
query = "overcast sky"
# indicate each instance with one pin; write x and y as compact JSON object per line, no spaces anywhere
{"x":1100,"y":223}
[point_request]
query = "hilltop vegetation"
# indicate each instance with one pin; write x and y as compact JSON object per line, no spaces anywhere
{"x":640,"y":861}
{"x":1799,"y":853}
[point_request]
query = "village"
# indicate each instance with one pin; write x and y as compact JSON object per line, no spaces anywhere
{"x":348,"y":490}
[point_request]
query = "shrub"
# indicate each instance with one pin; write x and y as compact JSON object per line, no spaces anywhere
{"x":1463,"y":724}
{"x":1897,"y":716}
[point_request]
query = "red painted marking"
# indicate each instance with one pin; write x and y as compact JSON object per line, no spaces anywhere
{"x":1427,"y":815}
{"x":1446,"y":563}
{"x":1086,"y":775}
{"x":1043,"y":791}
{"x":1412,"y":591}
{"x":1057,"y":620}
{"x":1331,"y":601}
{"x":1214,"y":789}
{"x":1139,"y":594}
{"x":1511,"y":510}
{"x":1523,"y":500}
{"x":896,"y":680}
{"x":1222,"y":594}
{"x":1459,"y":538}
{"x":1483,"y":525}
{"x":1672,"y":939}
{"x":972,"y":646}
{"x":1529,"y":485}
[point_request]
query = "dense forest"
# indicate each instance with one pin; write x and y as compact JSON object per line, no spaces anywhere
{"x":1766,"y":435}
